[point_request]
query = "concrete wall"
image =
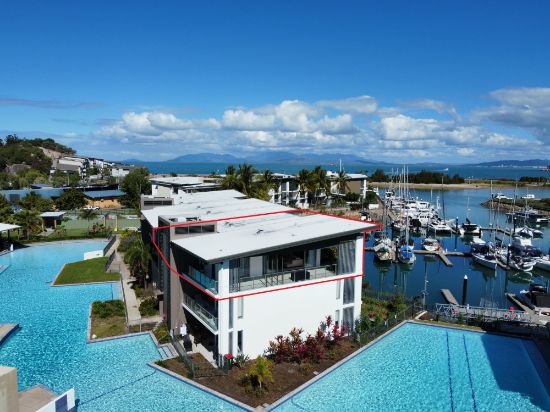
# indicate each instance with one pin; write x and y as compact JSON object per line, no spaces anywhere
{"x":9,"y":398}
{"x":64,"y":402}
{"x":94,"y":254}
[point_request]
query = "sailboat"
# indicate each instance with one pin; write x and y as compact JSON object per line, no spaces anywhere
{"x":406,"y":251}
{"x":383,"y":245}
{"x":468,"y":228}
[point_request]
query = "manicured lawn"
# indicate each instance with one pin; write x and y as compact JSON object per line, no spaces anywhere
{"x":86,"y":271}
{"x":108,"y":319}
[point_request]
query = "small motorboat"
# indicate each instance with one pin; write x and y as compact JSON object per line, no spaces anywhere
{"x":406,"y":254}
{"x":431,"y":245}
{"x":524,"y":264}
{"x":383,"y":250}
{"x":488,"y":260}
{"x":543,"y":263}
{"x":469,"y":229}
{"x":439,"y":226}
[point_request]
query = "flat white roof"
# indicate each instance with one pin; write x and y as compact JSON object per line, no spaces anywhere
{"x":194,"y":203}
{"x":52,"y":214}
{"x":247,"y":236}
{"x":5,"y":226}
{"x":178,"y":180}
{"x":258,"y":235}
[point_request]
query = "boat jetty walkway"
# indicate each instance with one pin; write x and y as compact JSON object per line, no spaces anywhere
{"x":441,"y":254}
{"x":449,"y":310}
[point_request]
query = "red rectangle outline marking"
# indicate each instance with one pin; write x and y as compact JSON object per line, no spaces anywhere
{"x":208,"y":293}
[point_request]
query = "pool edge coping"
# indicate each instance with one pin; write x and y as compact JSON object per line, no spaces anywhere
{"x":202,"y":387}
{"x":305,"y":385}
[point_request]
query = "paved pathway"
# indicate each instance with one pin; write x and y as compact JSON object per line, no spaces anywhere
{"x":132,"y":305}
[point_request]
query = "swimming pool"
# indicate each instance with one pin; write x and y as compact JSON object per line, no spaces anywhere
{"x":51,"y":349}
{"x":422,"y":367}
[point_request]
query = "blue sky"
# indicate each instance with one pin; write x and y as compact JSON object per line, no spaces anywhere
{"x":395,"y":80}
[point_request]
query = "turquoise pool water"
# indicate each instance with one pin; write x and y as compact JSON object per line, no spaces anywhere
{"x":51,"y":349}
{"x":430,"y":368}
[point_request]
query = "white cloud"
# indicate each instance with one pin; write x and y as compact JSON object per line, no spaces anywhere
{"x":359,"y":104}
{"x":465,"y":151}
{"x":335,"y":126}
{"x":247,"y":120}
{"x":527,"y":108}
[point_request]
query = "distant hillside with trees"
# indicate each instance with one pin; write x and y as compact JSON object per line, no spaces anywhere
{"x":24,"y":162}
{"x":424,"y":176}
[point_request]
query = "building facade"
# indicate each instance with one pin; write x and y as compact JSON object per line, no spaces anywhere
{"x":235,"y":283}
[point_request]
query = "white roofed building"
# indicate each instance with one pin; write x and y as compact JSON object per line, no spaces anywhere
{"x":237,"y":271}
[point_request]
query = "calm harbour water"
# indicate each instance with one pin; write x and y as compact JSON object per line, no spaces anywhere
{"x":463,"y":170}
{"x":485,"y":287}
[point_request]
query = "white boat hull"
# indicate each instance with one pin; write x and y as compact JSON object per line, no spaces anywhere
{"x":543,"y":264}
{"x":492,"y":264}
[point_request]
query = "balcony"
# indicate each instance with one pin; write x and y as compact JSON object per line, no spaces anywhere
{"x":200,"y":312}
{"x":290,"y":276}
{"x":203,"y":280}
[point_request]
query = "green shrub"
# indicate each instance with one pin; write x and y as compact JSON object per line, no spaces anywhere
{"x":162,"y":333}
{"x":149,"y":307}
{"x":240,"y":360}
{"x":108,"y":308}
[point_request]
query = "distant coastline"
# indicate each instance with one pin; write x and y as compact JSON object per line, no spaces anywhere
{"x":468,"y":172}
{"x":460,"y":186}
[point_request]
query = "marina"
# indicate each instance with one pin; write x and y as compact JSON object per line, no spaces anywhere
{"x":446,"y":268}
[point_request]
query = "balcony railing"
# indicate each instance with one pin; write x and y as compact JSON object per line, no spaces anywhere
{"x":203,"y":280}
{"x":284,"y":277}
{"x":200,"y":312}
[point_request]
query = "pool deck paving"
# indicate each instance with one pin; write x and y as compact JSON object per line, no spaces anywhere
{"x":35,"y":398}
{"x":6,"y":329}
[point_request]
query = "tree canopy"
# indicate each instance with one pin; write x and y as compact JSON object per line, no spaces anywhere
{"x":33,"y":201}
{"x":135,"y":184}
{"x":71,"y":199}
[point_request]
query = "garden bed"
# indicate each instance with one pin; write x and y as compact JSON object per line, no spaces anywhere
{"x":108,"y":319}
{"x":286,"y":377}
{"x":86,"y":271}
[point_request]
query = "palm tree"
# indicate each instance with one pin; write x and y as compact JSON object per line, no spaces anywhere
{"x":137,"y":257}
{"x":30,"y":221}
{"x":88,"y":214}
{"x":302,"y":178}
{"x":325,"y":184}
{"x":342,"y":182}
{"x":230,"y":180}
{"x":246,"y":175}
{"x":268,"y":181}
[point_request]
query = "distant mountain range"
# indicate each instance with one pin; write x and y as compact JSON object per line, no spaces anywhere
{"x":270,"y":157}
{"x":516,"y":163}
{"x":289,"y":158}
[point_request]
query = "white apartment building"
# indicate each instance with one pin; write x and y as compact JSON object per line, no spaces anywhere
{"x":240,"y":282}
{"x":288,"y":190}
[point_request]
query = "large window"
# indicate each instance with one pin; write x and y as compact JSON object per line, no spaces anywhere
{"x":240,"y":341}
{"x":348,"y":318}
{"x":240,"y":308}
{"x":230,"y":313}
{"x":349,"y":290}
{"x":346,"y":257}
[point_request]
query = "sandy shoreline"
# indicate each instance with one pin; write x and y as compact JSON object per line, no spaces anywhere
{"x":455,"y":186}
